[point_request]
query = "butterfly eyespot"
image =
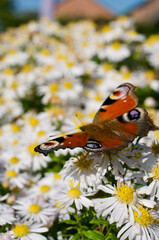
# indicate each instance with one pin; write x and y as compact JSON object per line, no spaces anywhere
{"x":92,"y":145}
{"x":120,"y":92}
{"x":134,"y":115}
{"x":131,"y":116}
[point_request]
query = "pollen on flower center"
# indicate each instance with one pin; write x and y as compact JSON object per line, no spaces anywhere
{"x":57,"y":176}
{"x":125,"y":193}
{"x":53,"y":87}
{"x":155,"y":171}
{"x":34,"y":208}
{"x":68,"y":84}
{"x":116,"y":45}
{"x":74,"y":193}
{"x":44,"y":188}
{"x":145,"y":219}
{"x":21,"y":230}
{"x":13,"y":160}
{"x":31,"y":148}
{"x":11,"y":173}
{"x":33,"y":121}
{"x":82,"y":163}
{"x":41,"y":133}
{"x":15,"y":128}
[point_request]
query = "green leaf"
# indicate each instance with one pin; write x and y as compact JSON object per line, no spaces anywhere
{"x":71,"y":222}
{"x":99,"y":221}
{"x":93,"y":235}
{"x":76,"y":237}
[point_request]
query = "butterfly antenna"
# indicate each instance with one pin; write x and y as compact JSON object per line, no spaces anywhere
{"x":82,"y":123}
{"x":64,"y":133}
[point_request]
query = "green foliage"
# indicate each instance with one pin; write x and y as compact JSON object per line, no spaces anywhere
{"x":32,"y":101}
{"x":145,"y":92}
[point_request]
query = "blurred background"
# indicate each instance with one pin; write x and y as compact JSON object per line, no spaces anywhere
{"x":16,"y":12}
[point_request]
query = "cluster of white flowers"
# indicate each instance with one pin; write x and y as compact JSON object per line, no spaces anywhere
{"x":52,"y":78}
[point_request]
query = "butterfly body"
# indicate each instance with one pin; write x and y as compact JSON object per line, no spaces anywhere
{"x":118,"y":121}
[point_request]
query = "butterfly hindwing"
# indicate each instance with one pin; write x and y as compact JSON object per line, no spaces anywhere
{"x":120,"y":101}
{"x":63,"y":142}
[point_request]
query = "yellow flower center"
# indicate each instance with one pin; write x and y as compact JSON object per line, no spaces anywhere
{"x":13,"y":160}
{"x":68,"y":85}
{"x":126,"y":75}
{"x":122,"y":18}
{"x":11,"y":173}
{"x":21,"y":230}
{"x":45,"y":52}
{"x":106,"y":28}
{"x":31,"y":149}
{"x":1,"y":100}
{"x":27,"y":68}
{"x":107,"y":66}
{"x":125,"y":193}
{"x":46,"y":69}
{"x":157,"y":134}
{"x":14,"y":85}
{"x":57,"y":176}
{"x":34,"y":208}
{"x":12,"y":52}
{"x":8,"y":71}
{"x":91,"y":114}
{"x":33,"y":121}
{"x":61,"y":56}
{"x":74,"y":193}
{"x":99,"y":81}
{"x":1,"y":131}
{"x":97,"y":97}
{"x":83,"y":163}
{"x":155,"y":171}
{"x":53,"y":87}
{"x":132,"y":33}
{"x":85,"y":44}
{"x":145,"y":219}
{"x":150,"y":75}
{"x":70,"y":64}
{"x":116,"y":45}
{"x":15,"y":142}
{"x":41,"y":133}
{"x":44,"y":188}
{"x":15,"y":128}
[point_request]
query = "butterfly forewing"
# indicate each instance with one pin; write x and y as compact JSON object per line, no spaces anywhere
{"x":120,"y":101}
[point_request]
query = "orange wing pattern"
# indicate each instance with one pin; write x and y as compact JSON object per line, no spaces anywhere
{"x":119,"y":102}
{"x":67,"y":141}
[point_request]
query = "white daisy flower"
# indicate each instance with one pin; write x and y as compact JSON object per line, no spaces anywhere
{"x":154,"y":59}
{"x":5,"y":236}
{"x":145,"y":227}
{"x":13,"y":179}
{"x":28,"y":231}
{"x":35,"y":210}
{"x":44,"y":188}
{"x":121,"y":204}
{"x":6,"y":214}
{"x":115,"y":52}
{"x":71,"y":193}
{"x":15,"y":57}
{"x":85,"y":169}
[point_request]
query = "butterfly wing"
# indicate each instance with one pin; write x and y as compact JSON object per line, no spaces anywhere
{"x":120,"y":101}
{"x":67,"y":141}
{"x":115,"y":134}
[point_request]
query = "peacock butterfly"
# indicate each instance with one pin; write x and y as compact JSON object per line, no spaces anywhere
{"x":118,"y":121}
